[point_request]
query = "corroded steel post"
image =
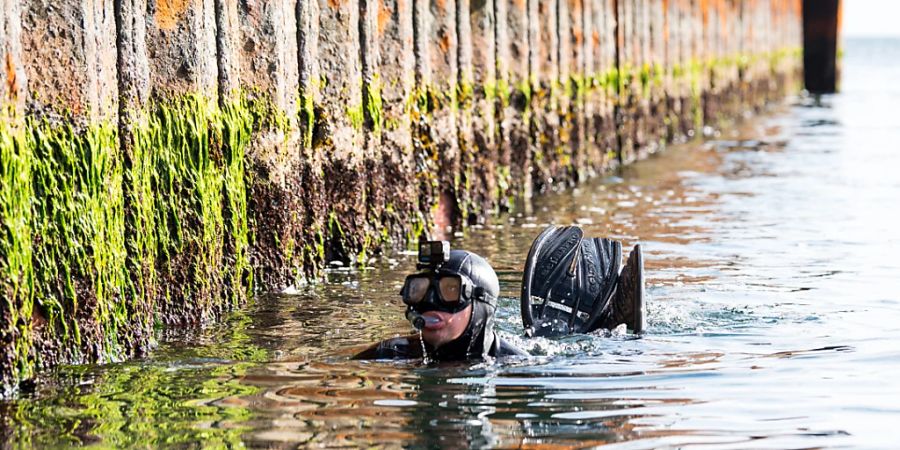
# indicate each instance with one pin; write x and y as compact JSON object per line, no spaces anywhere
{"x":258,"y":68}
{"x":332,"y":90}
{"x":481,"y":160}
{"x":572,"y":76}
{"x":821,"y":20}
{"x":546,"y":92}
{"x":77,"y":294}
{"x":388,"y":96}
{"x":17,"y":353}
{"x":514,"y":92}
{"x":435,"y":111}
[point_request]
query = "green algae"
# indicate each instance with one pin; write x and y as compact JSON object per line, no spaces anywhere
{"x":465,"y":93}
{"x":500,"y":90}
{"x":372,"y":103}
{"x":79,"y":254}
{"x":63,"y":245}
{"x":236,"y":124}
{"x":188,"y":178}
{"x":307,"y":118}
{"x":356,"y":116}
{"x":16,"y":265}
{"x":101,"y":245}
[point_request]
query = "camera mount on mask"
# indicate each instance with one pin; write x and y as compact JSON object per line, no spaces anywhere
{"x":433,"y":254}
{"x":573,"y":284}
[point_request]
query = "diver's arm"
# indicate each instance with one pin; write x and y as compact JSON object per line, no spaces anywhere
{"x":401,"y":347}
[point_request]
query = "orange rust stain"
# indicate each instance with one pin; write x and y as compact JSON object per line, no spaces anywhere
{"x":704,"y":8}
{"x":11,"y":82}
{"x":335,"y":4}
{"x":595,"y":39}
{"x":441,"y":4}
{"x":665,"y":7}
{"x":444,"y":43}
{"x":168,"y":13}
{"x":724,"y":18}
{"x":577,"y":6}
{"x":384,"y":16}
{"x":520,"y":4}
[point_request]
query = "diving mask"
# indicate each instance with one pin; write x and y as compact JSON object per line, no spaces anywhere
{"x":439,"y":291}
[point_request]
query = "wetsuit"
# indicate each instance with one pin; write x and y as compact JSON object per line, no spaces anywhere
{"x":410,"y":347}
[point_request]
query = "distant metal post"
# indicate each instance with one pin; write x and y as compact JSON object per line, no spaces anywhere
{"x":821,"y":19}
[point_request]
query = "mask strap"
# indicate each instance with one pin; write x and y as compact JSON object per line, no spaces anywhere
{"x":483,"y":296}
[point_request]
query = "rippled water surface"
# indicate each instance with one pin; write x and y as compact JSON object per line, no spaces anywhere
{"x":772,"y":258}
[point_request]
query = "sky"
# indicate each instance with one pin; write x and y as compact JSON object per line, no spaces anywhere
{"x":871,"y":18}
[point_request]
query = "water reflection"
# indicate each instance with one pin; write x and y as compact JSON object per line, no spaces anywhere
{"x":771,"y":259}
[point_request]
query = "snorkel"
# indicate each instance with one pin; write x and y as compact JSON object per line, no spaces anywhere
{"x":419,"y":321}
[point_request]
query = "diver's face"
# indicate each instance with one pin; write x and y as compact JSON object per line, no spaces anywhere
{"x":449,"y":326}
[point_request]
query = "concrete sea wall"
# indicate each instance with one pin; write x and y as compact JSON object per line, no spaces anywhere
{"x":161,"y":160}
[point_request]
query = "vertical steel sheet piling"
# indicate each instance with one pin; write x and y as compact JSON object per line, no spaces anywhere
{"x":388,"y":96}
{"x":183,"y":74}
{"x":228,"y":37}
{"x":593,"y":73}
{"x":710,"y":42}
{"x":17,"y":353}
{"x":671,"y":69}
{"x":568,"y":121}
{"x":355,"y":122}
{"x":514,"y":90}
{"x":12,"y":89}
{"x":546,"y":92}
{"x":268,"y":69}
{"x":68,"y":51}
{"x":591,"y":98}
{"x":466,"y":186}
{"x":332,"y":119}
{"x":653,"y":76}
{"x":436,"y":110}
{"x":483,"y":163}
{"x":681,"y":70}
{"x":133,"y":63}
{"x":609,"y":81}
{"x":181,"y":39}
{"x":134,"y":95}
{"x":573,"y":75}
{"x":627,"y":51}
{"x":258,"y":66}
{"x":640,"y":86}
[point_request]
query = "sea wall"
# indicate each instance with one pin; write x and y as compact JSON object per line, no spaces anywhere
{"x":162,"y":160}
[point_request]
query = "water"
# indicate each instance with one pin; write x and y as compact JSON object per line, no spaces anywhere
{"x":771,"y":253}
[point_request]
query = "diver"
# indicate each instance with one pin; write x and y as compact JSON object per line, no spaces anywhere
{"x":570,"y":285}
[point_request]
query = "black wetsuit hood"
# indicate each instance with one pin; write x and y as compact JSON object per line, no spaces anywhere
{"x":478,"y":340}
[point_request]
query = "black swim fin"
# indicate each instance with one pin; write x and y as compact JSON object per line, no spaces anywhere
{"x":601,"y":260}
{"x":551,"y":257}
{"x":628,"y":305}
{"x":568,"y":281}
